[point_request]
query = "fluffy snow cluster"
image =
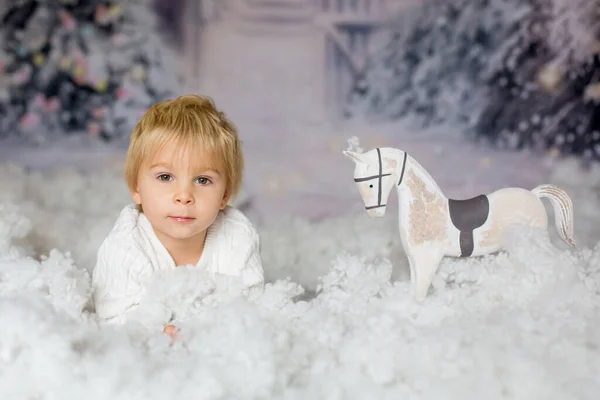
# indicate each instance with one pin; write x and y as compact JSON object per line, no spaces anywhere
{"x":335,"y":321}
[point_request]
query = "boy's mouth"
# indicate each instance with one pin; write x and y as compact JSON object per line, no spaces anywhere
{"x":181,"y":219}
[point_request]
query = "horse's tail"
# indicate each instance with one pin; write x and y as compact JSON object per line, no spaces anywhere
{"x":563,"y":210}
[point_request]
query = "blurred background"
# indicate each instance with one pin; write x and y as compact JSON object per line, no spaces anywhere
{"x":484,"y":93}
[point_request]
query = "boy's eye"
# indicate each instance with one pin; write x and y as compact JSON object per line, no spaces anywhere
{"x":202,"y":180}
{"x":164,"y":177}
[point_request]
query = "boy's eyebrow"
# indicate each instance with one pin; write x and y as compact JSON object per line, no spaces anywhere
{"x":165,"y":165}
{"x":214,"y":171}
{"x":160,"y":164}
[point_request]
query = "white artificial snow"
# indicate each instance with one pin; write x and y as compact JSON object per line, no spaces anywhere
{"x":335,"y":321}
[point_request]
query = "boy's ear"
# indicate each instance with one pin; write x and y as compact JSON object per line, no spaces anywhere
{"x":135,"y":195}
{"x":225,"y":200}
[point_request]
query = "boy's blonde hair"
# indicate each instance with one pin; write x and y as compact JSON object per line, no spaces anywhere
{"x":194,"y":123}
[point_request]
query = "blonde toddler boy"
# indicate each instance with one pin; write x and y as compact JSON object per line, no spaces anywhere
{"x":184,"y":163}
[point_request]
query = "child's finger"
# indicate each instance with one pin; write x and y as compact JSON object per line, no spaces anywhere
{"x":171,"y":330}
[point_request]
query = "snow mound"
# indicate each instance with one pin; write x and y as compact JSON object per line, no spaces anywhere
{"x":335,"y":320}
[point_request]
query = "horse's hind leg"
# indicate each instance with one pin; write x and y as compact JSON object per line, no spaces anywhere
{"x":424,"y":263}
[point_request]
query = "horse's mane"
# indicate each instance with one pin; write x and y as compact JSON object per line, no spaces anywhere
{"x":423,"y":172}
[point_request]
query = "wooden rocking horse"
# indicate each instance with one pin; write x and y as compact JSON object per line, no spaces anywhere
{"x":433,"y":226}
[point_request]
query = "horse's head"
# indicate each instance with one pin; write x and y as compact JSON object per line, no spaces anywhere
{"x":375,"y":174}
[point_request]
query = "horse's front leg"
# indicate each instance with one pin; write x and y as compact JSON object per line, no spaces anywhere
{"x":424,"y":262}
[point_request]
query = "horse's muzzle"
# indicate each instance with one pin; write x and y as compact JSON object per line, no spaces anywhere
{"x":376,"y":212}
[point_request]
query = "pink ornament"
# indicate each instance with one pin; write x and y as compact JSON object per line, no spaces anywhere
{"x":67,"y":20}
{"x":122,"y":93}
{"x":23,"y":75}
{"x":29,"y":120}
{"x":39,"y":100}
{"x":98,"y":113}
{"x":101,"y":15}
{"x":52,"y":104}
{"x":70,"y":24}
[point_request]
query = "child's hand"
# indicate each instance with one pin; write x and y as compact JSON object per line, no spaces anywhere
{"x":172,"y":331}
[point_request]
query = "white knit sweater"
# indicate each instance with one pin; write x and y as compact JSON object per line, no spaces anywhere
{"x":132,"y":254}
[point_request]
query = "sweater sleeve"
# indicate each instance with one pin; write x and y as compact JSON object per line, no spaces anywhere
{"x":117,"y":279}
{"x":252,"y":269}
{"x":239,"y":250}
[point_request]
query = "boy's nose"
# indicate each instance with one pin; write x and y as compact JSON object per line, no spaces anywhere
{"x":184,"y":200}
{"x":184,"y":196}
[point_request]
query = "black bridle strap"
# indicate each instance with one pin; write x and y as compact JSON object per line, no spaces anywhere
{"x":377,"y":206}
{"x":368,"y":178}
{"x":403,"y":167}
{"x":380,"y":177}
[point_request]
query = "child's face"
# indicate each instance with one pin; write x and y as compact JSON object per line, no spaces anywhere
{"x":179,"y":200}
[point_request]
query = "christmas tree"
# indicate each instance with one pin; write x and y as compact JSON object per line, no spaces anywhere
{"x":545,"y":92}
{"x":436,"y":56}
{"x":522,"y":74}
{"x":80,"y":67}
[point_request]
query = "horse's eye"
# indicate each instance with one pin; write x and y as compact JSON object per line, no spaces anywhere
{"x":371,"y":186}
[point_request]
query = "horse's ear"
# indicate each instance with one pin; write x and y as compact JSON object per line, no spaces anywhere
{"x":353,"y":156}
